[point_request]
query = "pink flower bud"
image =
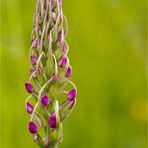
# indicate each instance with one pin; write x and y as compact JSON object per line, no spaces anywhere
{"x":72,"y":94}
{"x":29,"y":108}
{"x":45,"y":100}
{"x":32,"y":128}
{"x":63,"y":61}
{"x":29,"y":88}
{"x":68,"y":72}
{"x":32,"y":72}
{"x":52,"y":121}
{"x":33,"y":59}
{"x":37,"y":44}
{"x":65,"y":48}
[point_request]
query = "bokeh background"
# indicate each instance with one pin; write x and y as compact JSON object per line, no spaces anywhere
{"x":107,"y":40}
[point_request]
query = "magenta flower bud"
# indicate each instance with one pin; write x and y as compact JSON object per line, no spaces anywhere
{"x":38,"y":44}
{"x":50,"y":71}
{"x":68,"y":72}
{"x":33,"y":128}
{"x":32,"y":72}
{"x":29,"y":108}
{"x":52,"y":121}
{"x":60,"y":38}
{"x":29,"y":88}
{"x":58,"y":42}
{"x":65,"y":47}
{"x":63,"y":61}
{"x":40,"y":70}
{"x":45,"y":100}
{"x":33,"y":42}
{"x":72,"y":94}
{"x":33,"y":59}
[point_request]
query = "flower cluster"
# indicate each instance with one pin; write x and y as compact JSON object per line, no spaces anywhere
{"x":52,"y":93}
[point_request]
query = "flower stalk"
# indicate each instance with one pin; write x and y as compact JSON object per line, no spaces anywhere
{"x":50,"y":75}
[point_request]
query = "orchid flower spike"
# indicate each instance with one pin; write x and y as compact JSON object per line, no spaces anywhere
{"x":50,"y":74}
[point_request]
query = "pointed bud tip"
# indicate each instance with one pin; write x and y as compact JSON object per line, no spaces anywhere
{"x":63,"y":61}
{"x":72,"y":94}
{"x":29,"y":108}
{"x":68,"y":72}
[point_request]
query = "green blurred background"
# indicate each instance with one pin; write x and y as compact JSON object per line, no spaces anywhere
{"x":107,"y":40}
